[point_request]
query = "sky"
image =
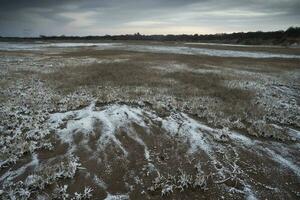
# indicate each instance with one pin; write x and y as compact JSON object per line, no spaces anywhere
{"x":100,"y":17}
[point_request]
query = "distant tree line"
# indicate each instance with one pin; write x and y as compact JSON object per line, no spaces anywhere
{"x":291,"y":35}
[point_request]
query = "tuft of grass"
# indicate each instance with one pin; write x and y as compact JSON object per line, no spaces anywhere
{"x":234,"y":100}
{"x":102,"y":74}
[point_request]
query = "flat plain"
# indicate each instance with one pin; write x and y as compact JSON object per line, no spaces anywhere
{"x":149,"y":120}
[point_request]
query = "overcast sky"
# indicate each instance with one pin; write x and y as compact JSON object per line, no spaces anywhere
{"x":100,"y":17}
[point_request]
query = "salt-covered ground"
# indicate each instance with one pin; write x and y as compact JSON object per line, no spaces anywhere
{"x":139,"y":121}
{"x":148,"y":48}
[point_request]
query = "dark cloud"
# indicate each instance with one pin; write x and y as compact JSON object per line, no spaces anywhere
{"x":98,"y":17}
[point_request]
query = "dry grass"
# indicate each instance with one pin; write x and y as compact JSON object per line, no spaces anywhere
{"x":113,"y":74}
{"x":136,"y":72}
{"x":234,"y":100}
{"x":212,"y":90}
{"x":266,"y":65}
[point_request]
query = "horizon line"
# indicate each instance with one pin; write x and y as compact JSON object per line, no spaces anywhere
{"x":141,"y":34}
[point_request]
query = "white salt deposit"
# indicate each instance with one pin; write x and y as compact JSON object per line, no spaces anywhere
{"x":108,"y":122}
{"x":10,"y":175}
{"x":117,"y":197}
{"x":185,"y":127}
{"x":259,"y":146}
{"x":113,"y":118}
{"x":231,"y":45}
{"x":206,"y":51}
{"x":283,"y":161}
{"x":10,"y":46}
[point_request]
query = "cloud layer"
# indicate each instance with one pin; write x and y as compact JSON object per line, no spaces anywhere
{"x":100,"y":17}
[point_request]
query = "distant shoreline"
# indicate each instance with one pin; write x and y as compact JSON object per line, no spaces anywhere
{"x":290,"y":37}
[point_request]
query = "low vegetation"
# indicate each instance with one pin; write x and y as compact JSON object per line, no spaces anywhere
{"x":84,"y":123}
